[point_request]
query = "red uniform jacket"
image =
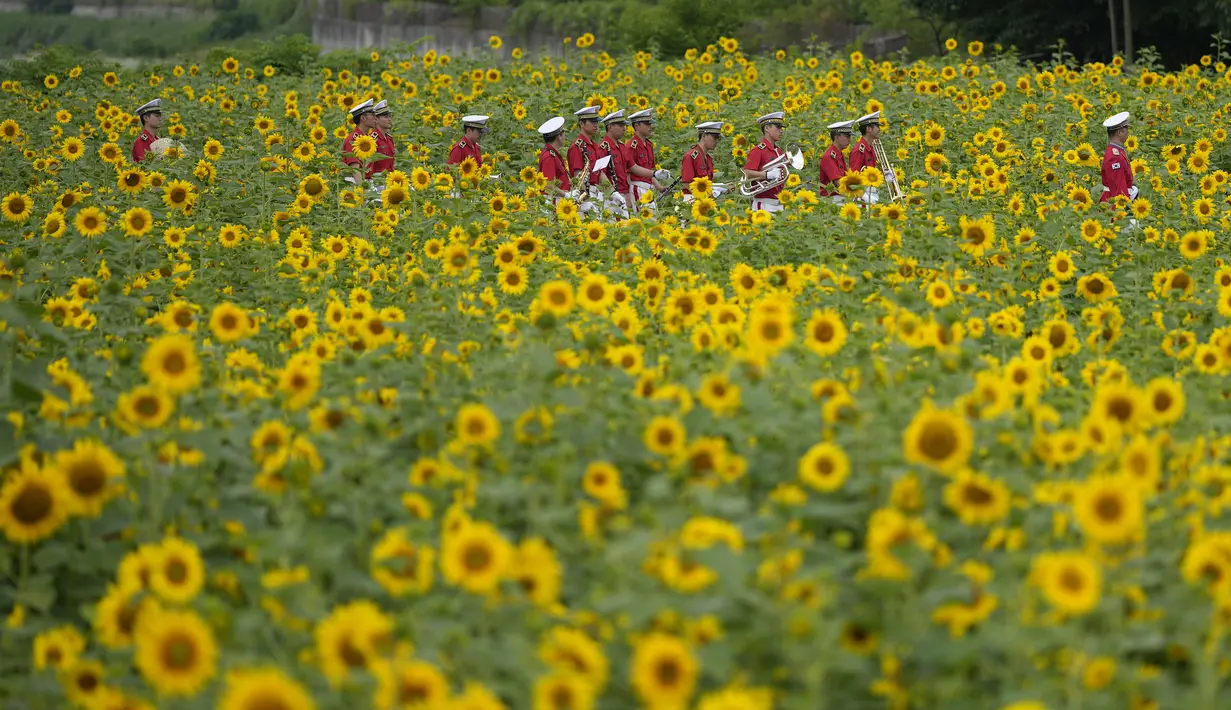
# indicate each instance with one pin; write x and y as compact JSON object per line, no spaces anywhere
{"x":384,"y":146}
{"x":618,"y":167}
{"x":577,"y":153}
{"x":862,"y":155}
{"x":640,"y":151}
{"x":696,"y":164}
{"x":758,"y":157}
{"x":141,"y":145}
{"x":1117,"y":173}
{"x":833,"y":167}
{"x":552,"y":166}
{"x":465,"y":149}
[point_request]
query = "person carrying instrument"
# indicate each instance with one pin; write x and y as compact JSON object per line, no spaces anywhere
{"x":617,"y":169}
{"x":584,"y":147}
{"x":833,"y":162}
{"x":551,"y":165}
{"x":640,"y":154}
{"x":383,"y":133}
{"x":365,"y":120}
{"x":764,"y":153}
{"x":473,"y":128}
{"x":698,"y":162}
{"x":863,"y":155}
{"x":150,"y":116}
{"x":1117,"y":172}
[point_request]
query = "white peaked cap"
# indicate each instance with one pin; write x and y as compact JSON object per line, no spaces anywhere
{"x":362,"y":107}
{"x":155,"y":105}
{"x":1117,"y":120}
{"x":642,"y":115}
{"x":841,"y":126}
{"x":869,"y":119}
{"x":616,"y":116}
{"x":381,"y":108}
{"x":775,"y":117}
{"x":587,"y":112}
{"x":475,"y":121}
{"x":552,"y":125}
{"x":710,"y":127}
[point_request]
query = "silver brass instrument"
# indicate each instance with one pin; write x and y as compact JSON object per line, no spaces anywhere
{"x":891,"y":176}
{"x":793,"y":156}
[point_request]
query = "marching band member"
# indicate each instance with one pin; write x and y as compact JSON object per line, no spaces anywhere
{"x":863,"y":155}
{"x":150,"y":116}
{"x":1117,"y":172}
{"x":363,"y":118}
{"x":698,"y":162}
{"x":383,"y":133}
{"x":473,"y":128}
{"x":584,"y":147}
{"x":765,"y":152}
{"x":640,"y":155}
{"x":833,"y":163}
{"x":551,"y":164}
{"x":617,"y":170}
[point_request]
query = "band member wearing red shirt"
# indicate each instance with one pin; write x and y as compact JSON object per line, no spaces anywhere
{"x":473,"y":128}
{"x":863,"y":155}
{"x":584,"y":146}
{"x":639,"y":150}
{"x":551,"y":164}
{"x":365,"y":121}
{"x":150,"y":116}
{"x":764,"y":153}
{"x":617,"y":170}
{"x":698,"y":162}
{"x":383,"y":133}
{"x":1117,"y":172}
{"x":833,"y":162}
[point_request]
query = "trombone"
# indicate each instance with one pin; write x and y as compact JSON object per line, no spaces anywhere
{"x":891,"y":178}
{"x":793,"y":156}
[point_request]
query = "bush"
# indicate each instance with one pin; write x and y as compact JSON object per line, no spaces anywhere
{"x":295,"y":55}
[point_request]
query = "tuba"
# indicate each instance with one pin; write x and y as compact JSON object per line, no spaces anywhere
{"x":793,"y":156}
{"x":891,"y":178}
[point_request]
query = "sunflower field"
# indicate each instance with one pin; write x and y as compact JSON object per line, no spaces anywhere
{"x":269,"y":443}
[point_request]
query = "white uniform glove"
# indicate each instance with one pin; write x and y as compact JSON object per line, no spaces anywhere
{"x":889,"y":176}
{"x":594,"y":192}
{"x":662,"y":176}
{"x":1132,"y":192}
{"x":774,"y":174}
{"x":688,"y":198}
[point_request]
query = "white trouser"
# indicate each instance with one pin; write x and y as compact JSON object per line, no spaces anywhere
{"x":769,"y":204}
{"x":639,"y":189}
{"x":870,"y":196}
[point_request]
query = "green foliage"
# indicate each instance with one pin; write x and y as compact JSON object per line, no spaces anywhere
{"x":49,"y":7}
{"x":153,"y":37}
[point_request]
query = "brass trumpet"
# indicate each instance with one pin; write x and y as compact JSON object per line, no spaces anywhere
{"x":891,"y":177}
{"x":794,"y":156}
